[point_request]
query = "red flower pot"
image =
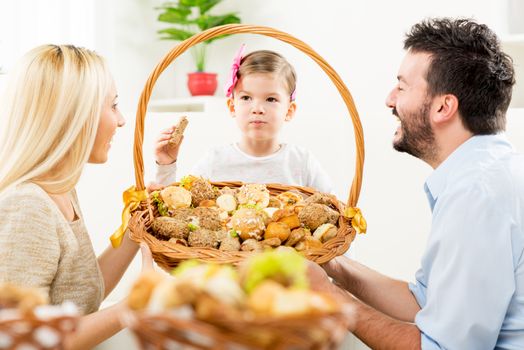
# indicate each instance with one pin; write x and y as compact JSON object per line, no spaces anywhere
{"x":201,"y":83}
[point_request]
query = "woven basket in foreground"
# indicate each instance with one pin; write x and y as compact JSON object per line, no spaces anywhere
{"x":30,"y":332}
{"x":165,"y":331}
{"x":168,"y":254}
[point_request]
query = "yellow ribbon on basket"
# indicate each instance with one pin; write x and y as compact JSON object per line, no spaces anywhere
{"x":132,"y":199}
{"x":357,"y":219}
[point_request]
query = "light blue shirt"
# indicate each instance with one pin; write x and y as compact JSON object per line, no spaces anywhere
{"x":470,"y":286}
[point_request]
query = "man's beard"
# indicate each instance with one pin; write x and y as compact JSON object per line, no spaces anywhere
{"x":417,"y":137}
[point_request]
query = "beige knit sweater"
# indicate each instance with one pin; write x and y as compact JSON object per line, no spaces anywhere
{"x":40,"y":248}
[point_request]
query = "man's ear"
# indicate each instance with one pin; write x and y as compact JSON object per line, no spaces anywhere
{"x":231,"y":106}
{"x":291,"y":111}
{"x":445,"y":109}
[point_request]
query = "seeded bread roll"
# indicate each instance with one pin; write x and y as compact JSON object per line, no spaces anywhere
{"x":176,"y":137}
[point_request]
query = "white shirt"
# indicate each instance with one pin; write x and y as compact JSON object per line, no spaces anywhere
{"x":290,"y":165}
{"x":470,"y":286}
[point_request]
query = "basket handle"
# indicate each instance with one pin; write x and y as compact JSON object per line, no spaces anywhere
{"x":248,"y":29}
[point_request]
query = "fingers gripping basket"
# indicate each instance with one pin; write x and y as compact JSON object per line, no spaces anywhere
{"x":167,"y":254}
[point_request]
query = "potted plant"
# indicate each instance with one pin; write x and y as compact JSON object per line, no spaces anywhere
{"x":189,"y":17}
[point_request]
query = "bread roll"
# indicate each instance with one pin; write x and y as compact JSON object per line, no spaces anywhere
{"x":176,"y":136}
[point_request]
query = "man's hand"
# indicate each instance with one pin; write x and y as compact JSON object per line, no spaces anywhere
{"x":320,"y":282}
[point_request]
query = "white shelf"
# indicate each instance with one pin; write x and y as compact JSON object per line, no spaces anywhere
{"x":202,"y":104}
{"x":513,"y":40}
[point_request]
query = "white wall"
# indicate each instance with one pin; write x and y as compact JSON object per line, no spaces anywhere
{"x":361,"y":40}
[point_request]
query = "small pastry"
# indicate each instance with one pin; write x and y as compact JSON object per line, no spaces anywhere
{"x":143,"y":289}
{"x":307,"y":243}
{"x":320,"y":198}
{"x":277,"y":230}
{"x":228,"y":190}
{"x":251,"y":245}
{"x":200,"y":189}
{"x":297,"y":235}
{"x":313,"y":215}
{"x":289,"y":198}
{"x":256,"y":195}
{"x":230,"y":244}
{"x":274,"y":202}
{"x":207,"y":218}
{"x":270,"y":211}
{"x":248,"y":223}
{"x":291,"y":221}
{"x":176,"y":136}
{"x":325,"y":232}
{"x":170,"y":228}
{"x":227,"y":202}
{"x":312,"y":242}
{"x":207,"y":203}
{"x":176,"y":197}
{"x":287,"y":216}
{"x":262,"y":298}
{"x":272,"y":242}
{"x":202,"y":237}
{"x":24,"y":299}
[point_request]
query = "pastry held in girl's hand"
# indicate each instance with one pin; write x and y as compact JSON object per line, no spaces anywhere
{"x":176,"y":136}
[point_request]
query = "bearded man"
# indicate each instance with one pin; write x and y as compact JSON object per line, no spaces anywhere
{"x":454,"y":88}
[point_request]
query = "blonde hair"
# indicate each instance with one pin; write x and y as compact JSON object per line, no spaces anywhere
{"x":49,"y":116}
{"x":266,"y":61}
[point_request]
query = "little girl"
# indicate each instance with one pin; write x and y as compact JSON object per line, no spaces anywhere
{"x":261,"y":98}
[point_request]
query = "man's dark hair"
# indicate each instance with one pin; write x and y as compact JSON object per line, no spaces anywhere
{"x":466,"y":61}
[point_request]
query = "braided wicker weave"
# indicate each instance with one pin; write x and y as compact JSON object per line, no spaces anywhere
{"x":34,"y":333}
{"x":163,"y":331}
{"x":167,"y":254}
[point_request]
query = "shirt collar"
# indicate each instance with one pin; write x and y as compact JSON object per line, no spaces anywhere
{"x":436,"y":182}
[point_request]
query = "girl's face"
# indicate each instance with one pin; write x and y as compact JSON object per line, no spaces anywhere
{"x":110,"y":119}
{"x":261,"y":104}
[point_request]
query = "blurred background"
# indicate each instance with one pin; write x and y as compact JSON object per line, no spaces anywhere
{"x":361,"y":40}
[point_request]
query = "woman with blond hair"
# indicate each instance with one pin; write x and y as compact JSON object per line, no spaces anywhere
{"x":59,"y":112}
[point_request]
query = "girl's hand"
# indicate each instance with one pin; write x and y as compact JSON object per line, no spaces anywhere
{"x":166,"y":152}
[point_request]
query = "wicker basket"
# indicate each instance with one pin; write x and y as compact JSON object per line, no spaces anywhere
{"x":163,"y":331}
{"x":168,"y":255}
{"x":30,"y":332}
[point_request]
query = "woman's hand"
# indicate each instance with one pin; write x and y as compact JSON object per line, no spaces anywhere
{"x":165,"y":151}
{"x":147,"y":258}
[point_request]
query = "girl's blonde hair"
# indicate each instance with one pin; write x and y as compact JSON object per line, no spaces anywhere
{"x":49,"y":116}
{"x":266,"y":61}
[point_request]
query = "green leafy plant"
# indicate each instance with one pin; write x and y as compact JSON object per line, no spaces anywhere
{"x":190,"y":17}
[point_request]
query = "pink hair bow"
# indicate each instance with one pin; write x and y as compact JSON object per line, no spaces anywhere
{"x":234,"y":70}
{"x":294,"y":95}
